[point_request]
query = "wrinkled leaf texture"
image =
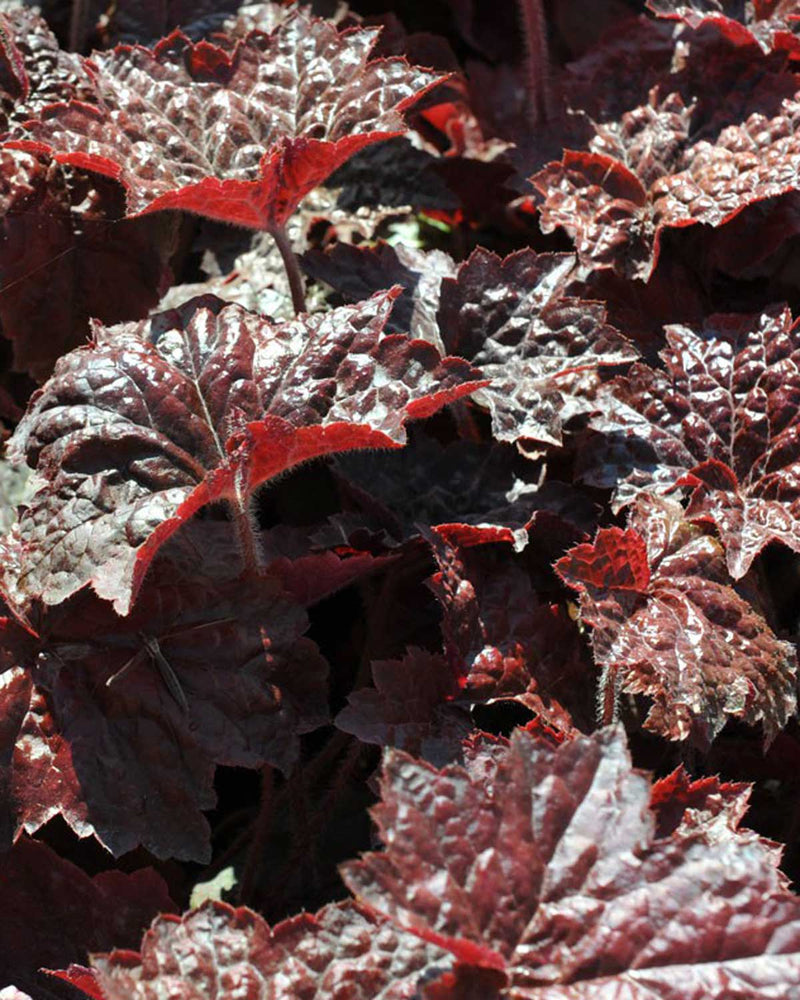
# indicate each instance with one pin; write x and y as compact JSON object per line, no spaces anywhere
{"x":132,"y":762}
{"x":217,"y":952}
{"x":667,"y":623}
{"x":674,"y":161}
{"x":544,"y":866}
{"x":547,"y":872}
{"x":510,"y":316}
{"x":136,"y":432}
{"x":238,"y":135}
{"x":722,"y":418}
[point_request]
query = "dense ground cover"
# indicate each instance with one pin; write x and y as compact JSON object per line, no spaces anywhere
{"x":400,"y":501}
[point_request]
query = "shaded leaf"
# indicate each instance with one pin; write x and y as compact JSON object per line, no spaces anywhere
{"x":99,"y":731}
{"x":67,"y":255}
{"x":408,"y":707}
{"x":65,"y":913}
{"x":133,"y":434}
{"x":464,"y":490}
{"x":500,"y":640}
{"x":550,"y":872}
{"x":666,"y":623}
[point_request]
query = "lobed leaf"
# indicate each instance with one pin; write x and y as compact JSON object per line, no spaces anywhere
{"x":666,"y":623}
{"x":240,"y":135}
{"x":723,"y":419}
{"x":135,"y":433}
{"x":547,"y":869}
{"x":216,"y":952}
{"x":512,"y":317}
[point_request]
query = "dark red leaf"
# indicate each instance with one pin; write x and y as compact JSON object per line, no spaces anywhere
{"x":200,"y":404}
{"x":67,"y":255}
{"x":464,"y":490}
{"x":552,"y":873}
{"x":65,"y":913}
{"x":678,"y":159}
{"x":500,"y":640}
{"x":287,"y":109}
{"x":81,"y":978}
{"x":667,"y":623}
{"x":408,"y":707}
{"x":131,"y":758}
{"x":723,"y":418}
{"x":512,"y":317}
{"x":672,"y":797}
{"x":767,"y":23}
{"x":217,"y":952}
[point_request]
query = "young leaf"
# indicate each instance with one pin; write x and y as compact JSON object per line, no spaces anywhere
{"x":722,"y":418}
{"x":133,"y":434}
{"x":548,"y":870}
{"x":240,"y":135}
{"x":666,"y":623}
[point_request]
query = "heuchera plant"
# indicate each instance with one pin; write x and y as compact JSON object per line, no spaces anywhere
{"x":400,"y":500}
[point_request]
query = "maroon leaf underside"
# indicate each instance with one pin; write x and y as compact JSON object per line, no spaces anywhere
{"x":67,"y":255}
{"x":132,"y":761}
{"x":240,"y":136}
{"x":647,"y":172}
{"x":65,"y":913}
{"x":217,"y":952}
{"x":200,"y":404}
{"x":667,"y":624}
{"x":723,"y":419}
{"x":548,"y":869}
{"x":770,"y":29}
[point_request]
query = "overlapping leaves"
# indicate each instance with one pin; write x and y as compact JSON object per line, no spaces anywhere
{"x":240,"y":135}
{"x":723,"y":418}
{"x":133,"y":434}
{"x":667,"y":623}
{"x":540,"y":870}
{"x":117,"y":724}
{"x":512,"y":317}
{"x":676,"y":160}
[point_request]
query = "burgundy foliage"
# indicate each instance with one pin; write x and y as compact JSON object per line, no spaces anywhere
{"x":722,"y":418}
{"x":200,"y":404}
{"x":239,"y":134}
{"x":667,"y":623}
{"x":399,"y":500}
